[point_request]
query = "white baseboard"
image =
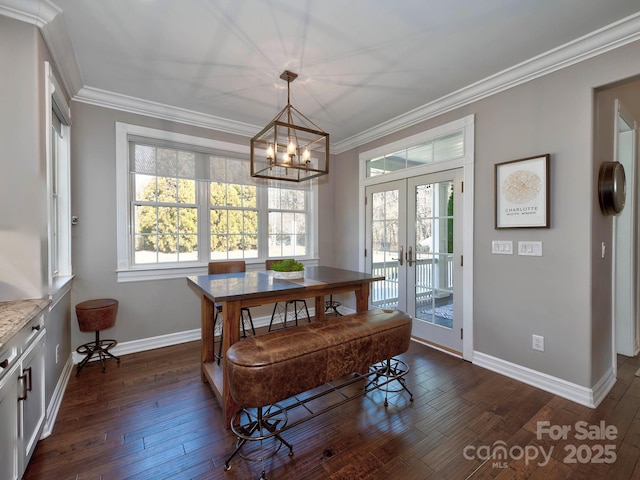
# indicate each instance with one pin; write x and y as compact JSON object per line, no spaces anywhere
{"x":56,"y":398}
{"x":589,"y":397}
{"x":135,"y":346}
{"x":144,"y":344}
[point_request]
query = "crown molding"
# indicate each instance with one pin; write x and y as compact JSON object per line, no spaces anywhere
{"x":35,"y":12}
{"x":42,"y":14}
{"x":57,"y":39}
{"x":595,"y":43}
{"x":116,"y":101}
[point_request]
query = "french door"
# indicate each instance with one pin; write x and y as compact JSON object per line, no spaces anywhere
{"x":414,"y":238}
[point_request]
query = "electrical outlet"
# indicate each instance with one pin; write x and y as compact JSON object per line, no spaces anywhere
{"x":537,"y":342}
{"x":57,"y":353}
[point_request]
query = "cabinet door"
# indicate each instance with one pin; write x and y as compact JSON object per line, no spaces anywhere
{"x":9,"y":425}
{"x":33,"y":411}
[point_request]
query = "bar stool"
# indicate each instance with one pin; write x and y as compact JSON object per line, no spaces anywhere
{"x":230,"y":266}
{"x":332,"y":305}
{"x":94,"y":316}
{"x":299,"y":305}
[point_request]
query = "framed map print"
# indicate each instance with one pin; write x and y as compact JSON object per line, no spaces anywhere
{"x":522,"y":193}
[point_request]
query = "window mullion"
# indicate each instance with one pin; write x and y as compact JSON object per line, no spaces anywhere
{"x":204,"y":206}
{"x":262,"y":202}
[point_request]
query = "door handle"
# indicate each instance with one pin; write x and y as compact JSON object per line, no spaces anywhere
{"x":23,"y":378}
{"x":401,"y":255}
{"x":30,"y":382}
{"x":410,"y":256}
{"x":27,"y":384}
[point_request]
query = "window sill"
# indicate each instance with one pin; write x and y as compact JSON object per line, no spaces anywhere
{"x":168,"y":273}
{"x":60,"y":286}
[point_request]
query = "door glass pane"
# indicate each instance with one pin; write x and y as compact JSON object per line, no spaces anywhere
{"x":434,"y":253}
{"x":385,"y":226}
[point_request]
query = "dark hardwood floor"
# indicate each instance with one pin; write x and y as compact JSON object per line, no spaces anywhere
{"x":152,"y":418}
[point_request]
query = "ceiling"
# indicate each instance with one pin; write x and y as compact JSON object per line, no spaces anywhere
{"x":361,"y":63}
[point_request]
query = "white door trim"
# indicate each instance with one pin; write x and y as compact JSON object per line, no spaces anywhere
{"x":467,"y":124}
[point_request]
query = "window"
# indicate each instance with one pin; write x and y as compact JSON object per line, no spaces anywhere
{"x":184,"y":201}
{"x":58,"y":181}
{"x":233,"y":214}
{"x":165,"y":208}
{"x":424,"y":152}
{"x":287,"y":223}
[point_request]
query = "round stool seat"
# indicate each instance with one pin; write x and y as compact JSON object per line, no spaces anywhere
{"x":94,"y":315}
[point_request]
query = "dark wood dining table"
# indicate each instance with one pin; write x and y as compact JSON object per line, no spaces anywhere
{"x":248,"y":289}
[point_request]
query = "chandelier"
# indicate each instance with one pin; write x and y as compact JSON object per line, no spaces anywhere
{"x":291,"y":147}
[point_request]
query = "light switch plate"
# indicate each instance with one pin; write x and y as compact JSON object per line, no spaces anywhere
{"x":533,"y":249}
{"x":502,"y":247}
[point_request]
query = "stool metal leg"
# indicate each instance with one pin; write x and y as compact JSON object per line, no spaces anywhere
{"x":98,"y":347}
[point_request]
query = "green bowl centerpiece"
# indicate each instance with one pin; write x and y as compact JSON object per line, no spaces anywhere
{"x":288,"y":269}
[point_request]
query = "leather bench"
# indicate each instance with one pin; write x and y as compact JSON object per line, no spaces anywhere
{"x":269,"y":368}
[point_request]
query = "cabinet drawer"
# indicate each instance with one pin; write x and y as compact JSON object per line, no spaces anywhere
{"x":31,"y":330}
{"x":9,"y":354}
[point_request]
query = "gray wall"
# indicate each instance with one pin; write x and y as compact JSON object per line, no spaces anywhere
{"x":23,"y":202}
{"x":22,"y":182}
{"x":564,"y":295}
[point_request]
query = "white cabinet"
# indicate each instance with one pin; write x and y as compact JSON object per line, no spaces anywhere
{"x":22,"y":397}
{"x":10,"y":451}
{"x":31,"y":399}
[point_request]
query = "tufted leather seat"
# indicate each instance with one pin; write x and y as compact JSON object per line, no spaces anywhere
{"x":260,"y":368}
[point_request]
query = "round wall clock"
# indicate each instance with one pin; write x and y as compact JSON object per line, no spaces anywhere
{"x":611,"y":188}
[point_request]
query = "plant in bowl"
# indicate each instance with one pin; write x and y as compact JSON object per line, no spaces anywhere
{"x":288,"y":268}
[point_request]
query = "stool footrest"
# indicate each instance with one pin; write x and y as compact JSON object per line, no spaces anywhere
{"x":99,"y":348}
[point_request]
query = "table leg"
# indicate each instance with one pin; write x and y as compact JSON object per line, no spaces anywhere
{"x":320,"y":309}
{"x":231,"y":327}
{"x":207,"y":312}
{"x":362,"y":297}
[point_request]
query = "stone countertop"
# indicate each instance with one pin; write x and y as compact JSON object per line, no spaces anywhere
{"x":16,"y":314}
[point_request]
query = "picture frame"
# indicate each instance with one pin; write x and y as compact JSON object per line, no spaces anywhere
{"x":521,"y":193}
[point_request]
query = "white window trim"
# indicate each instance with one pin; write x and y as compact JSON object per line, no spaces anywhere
{"x":54,"y":97}
{"x":126,"y":271}
{"x":467,"y":125}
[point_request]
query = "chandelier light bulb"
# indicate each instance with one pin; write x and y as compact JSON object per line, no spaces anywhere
{"x":291,"y":149}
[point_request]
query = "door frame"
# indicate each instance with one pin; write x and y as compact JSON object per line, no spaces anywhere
{"x":624,"y":328}
{"x":466,"y":162}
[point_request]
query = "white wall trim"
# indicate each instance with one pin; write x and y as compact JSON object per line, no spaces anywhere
{"x":34,"y":12}
{"x":604,"y":385}
{"x":56,"y":399}
{"x":589,"y":397}
{"x":125,"y":103}
{"x":151,"y":343}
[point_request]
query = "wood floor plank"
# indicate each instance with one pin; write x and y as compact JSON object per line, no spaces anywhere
{"x":151,"y":417}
